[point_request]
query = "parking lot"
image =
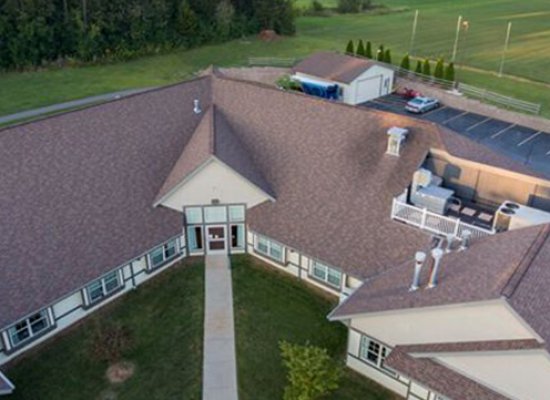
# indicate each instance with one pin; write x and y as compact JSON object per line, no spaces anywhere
{"x":523,"y":144}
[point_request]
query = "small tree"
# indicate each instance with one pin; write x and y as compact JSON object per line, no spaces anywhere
{"x":450,"y":72}
{"x":361,"y":49}
{"x":438,"y":72}
{"x":349,"y":48}
{"x":380,"y":53}
{"x":418,"y":68}
{"x":387,"y":56}
{"x":406,"y":62}
{"x":311,"y":371}
{"x":426,"y":68}
{"x":368,"y":52}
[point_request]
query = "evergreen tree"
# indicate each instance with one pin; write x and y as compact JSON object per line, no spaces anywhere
{"x":426,"y":68}
{"x":380,"y":53}
{"x":439,"y":69}
{"x":349,"y":48}
{"x":418,"y":68}
{"x":387,"y":56}
{"x":450,"y":72}
{"x":361,"y":49}
{"x":368,"y":52}
{"x":406,"y":62}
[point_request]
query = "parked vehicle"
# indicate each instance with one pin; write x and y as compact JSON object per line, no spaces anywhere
{"x":421,"y":105}
{"x":408,"y":93}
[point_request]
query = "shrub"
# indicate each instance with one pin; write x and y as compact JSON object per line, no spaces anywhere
{"x":406,"y":62}
{"x":311,"y":371}
{"x":317,"y":6}
{"x":368,"y":52}
{"x":109,"y":342}
{"x":438,"y":72}
{"x":426,"y":68}
{"x":352,"y":6}
{"x":418,"y":68}
{"x":361,"y":49}
{"x":450,"y":72}
{"x":387,"y":56}
{"x":380,"y":53}
{"x":284,"y":82}
{"x":349,"y":48}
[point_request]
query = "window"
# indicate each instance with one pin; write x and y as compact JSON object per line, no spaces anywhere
{"x":236,"y":213}
{"x":270,"y":248}
{"x":103,"y":287}
{"x":373,"y":352}
{"x":164,"y":253}
{"x":215,"y":214}
{"x":194,"y":238}
{"x":193,"y":215}
{"x":326,"y":274}
{"x":237,"y":236}
{"x":25,"y":330}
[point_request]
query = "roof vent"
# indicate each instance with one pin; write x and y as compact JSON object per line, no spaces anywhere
{"x":437,"y":254}
{"x":196,"y":107}
{"x":419,"y":259}
{"x":466,"y":238}
{"x":396,"y":137}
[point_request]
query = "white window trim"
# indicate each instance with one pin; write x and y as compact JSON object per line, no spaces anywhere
{"x":380,"y":361}
{"x":315,"y":263}
{"x":268,"y":252}
{"x":32,"y":335}
{"x":104,"y":290}
{"x":165,"y":259}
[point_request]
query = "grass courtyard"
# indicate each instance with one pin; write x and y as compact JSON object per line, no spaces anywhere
{"x":165,"y":317}
{"x":479,"y":49}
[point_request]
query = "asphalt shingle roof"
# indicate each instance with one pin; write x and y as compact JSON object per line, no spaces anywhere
{"x":333,"y":66}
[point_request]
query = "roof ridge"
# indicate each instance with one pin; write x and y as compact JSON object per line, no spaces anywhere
{"x":525,"y":263}
{"x":212,"y":129}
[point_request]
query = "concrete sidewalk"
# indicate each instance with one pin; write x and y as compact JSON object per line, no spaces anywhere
{"x":219,"y":381}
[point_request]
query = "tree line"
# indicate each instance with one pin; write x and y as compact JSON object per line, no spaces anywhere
{"x":40,"y":32}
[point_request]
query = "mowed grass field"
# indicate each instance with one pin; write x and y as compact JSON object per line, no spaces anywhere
{"x":480,"y":50}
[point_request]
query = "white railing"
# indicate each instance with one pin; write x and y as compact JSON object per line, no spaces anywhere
{"x":435,"y":223}
{"x":499,"y":99}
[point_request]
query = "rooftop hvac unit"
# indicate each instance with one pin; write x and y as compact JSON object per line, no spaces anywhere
{"x":426,"y":192}
{"x":510,"y":216}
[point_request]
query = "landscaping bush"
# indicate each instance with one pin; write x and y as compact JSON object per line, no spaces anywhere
{"x":353,"y":6}
{"x":450,"y":72}
{"x":380,"y":53}
{"x":317,"y":6}
{"x":418,"y":68}
{"x":368,"y":51}
{"x":387,"y":56}
{"x":426,"y":68}
{"x":438,"y":72}
{"x":349,"y":48}
{"x":406,"y":62}
{"x":109,"y":342}
{"x":312,"y":373}
{"x":361,"y":49}
{"x":286,"y":83}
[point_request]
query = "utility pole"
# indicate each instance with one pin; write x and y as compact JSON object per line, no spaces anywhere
{"x":455,"y":47}
{"x":413,"y":34}
{"x":506,"y":42}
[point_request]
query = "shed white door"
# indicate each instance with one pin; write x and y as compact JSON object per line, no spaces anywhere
{"x":368,"y":88}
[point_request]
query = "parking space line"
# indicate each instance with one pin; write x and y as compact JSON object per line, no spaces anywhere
{"x":455,"y":117}
{"x":478,"y":123}
{"x":534,"y":135}
{"x":502,"y":131}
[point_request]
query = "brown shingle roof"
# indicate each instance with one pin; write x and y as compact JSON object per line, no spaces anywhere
{"x":333,"y":66}
{"x":6,"y":387}
{"x":461,"y":347}
{"x":439,"y":378}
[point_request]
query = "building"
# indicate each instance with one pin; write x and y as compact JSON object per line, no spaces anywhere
{"x":99,"y":200}
{"x":349,"y":79}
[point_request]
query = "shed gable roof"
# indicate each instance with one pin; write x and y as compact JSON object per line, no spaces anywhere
{"x":333,"y":66}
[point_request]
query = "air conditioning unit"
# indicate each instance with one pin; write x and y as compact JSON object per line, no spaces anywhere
{"x":426,"y":192}
{"x":511,"y":215}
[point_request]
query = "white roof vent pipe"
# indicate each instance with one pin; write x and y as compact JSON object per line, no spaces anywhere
{"x":466,"y":239}
{"x":450,"y":239}
{"x":437,"y":254}
{"x":419,"y":259}
{"x":196,"y":106}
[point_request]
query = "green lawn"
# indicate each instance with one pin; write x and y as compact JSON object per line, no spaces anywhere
{"x":271,"y":306}
{"x":480,"y":48}
{"x":165,"y":317}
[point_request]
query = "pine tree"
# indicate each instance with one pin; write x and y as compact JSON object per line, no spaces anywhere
{"x":450,"y":72}
{"x":349,"y":48}
{"x":426,"y":68}
{"x":406,"y":62}
{"x":361,"y":49}
{"x":380,"y":53}
{"x":387,"y":56}
{"x":418,"y":68}
{"x":438,"y":72}
{"x":368,"y":51}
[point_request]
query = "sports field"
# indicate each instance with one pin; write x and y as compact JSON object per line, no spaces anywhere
{"x":480,"y":48}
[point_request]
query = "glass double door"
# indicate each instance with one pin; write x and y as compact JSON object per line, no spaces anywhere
{"x":216,"y":239}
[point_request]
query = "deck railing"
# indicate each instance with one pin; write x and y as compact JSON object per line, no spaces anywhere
{"x":435,"y":223}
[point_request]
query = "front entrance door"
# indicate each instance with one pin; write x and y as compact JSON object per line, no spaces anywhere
{"x":216,"y":239}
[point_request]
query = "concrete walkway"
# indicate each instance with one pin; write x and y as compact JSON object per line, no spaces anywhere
{"x":219,"y":376}
{"x":68,"y":105}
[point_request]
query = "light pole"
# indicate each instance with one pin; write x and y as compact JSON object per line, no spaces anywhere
{"x":457,"y":35}
{"x":413,"y":34}
{"x":506,"y":41}
{"x":464,"y":25}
